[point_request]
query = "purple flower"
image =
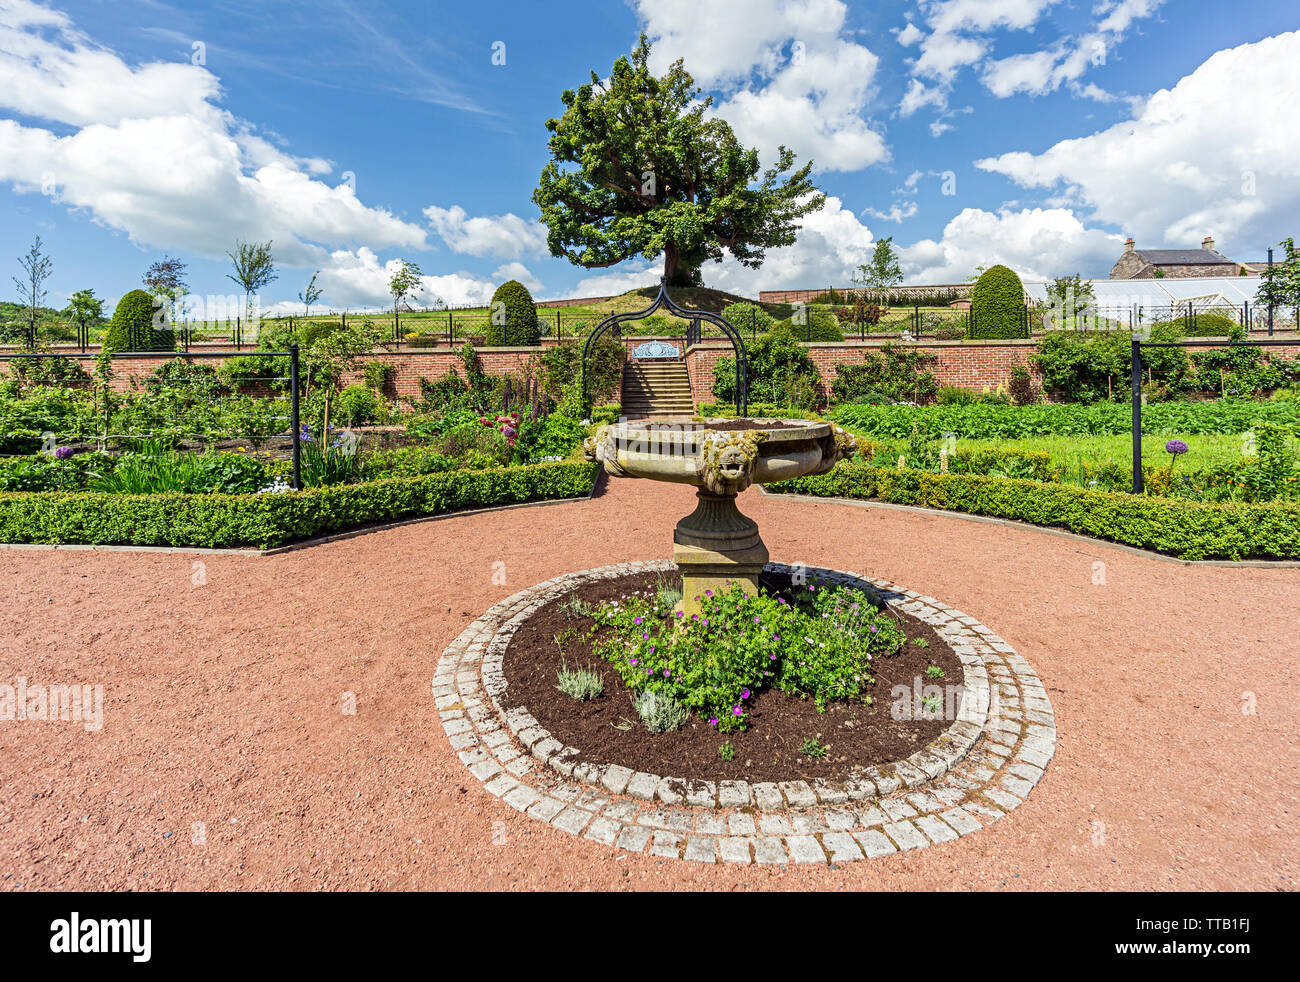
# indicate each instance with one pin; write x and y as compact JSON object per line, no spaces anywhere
{"x":708,"y":593}
{"x":744,"y":694}
{"x":737,"y":711}
{"x":62,"y":453}
{"x":873,"y":629}
{"x":681,"y":613}
{"x":636,"y":620}
{"x":772,"y":656}
{"x":652,"y":651}
{"x":713,"y":721}
{"x":1176,"y":447}
{"x":757,"y":620}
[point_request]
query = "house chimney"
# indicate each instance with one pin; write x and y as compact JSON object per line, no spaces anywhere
{"x":1128,"y":244}
{"x":1207,"y":243}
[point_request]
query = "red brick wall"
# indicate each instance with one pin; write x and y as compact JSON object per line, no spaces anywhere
{"x":969,"y":364}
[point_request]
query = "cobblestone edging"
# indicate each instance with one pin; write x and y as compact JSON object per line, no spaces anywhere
{"x":984,"y":765}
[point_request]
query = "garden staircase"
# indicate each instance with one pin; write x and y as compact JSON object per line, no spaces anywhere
{"x":656,"y":389}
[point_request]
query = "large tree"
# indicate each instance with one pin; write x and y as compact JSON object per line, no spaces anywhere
{"x":639,"y":167}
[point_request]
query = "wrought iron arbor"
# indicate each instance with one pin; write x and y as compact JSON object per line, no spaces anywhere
{"x":692,"y":337}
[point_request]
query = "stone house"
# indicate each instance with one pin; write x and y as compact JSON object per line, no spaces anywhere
{"x":1145,"y":264}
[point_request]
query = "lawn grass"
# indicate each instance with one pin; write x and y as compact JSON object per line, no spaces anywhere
{"x":1204,"y":451}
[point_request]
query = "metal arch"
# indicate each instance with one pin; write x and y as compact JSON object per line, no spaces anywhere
{"x":662,"y":299}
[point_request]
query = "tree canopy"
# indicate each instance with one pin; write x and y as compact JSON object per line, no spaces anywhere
{"x":639,"y":168}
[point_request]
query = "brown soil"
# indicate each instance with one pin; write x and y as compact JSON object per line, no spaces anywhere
{"x":607,"y":729}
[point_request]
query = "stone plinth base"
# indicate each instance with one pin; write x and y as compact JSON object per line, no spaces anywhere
{"x":716,"y":546}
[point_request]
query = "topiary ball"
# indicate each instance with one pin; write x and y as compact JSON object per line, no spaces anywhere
{"x":133,"y":327}
{"x":997,"y":304}
{"x":519,"y":314}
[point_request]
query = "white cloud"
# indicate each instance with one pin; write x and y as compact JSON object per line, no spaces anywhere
{"x":1191,"y":162}
{"x":503,"y":236}
{"x":786,"y":74}
{"x":149,"y":153}
{"x":919,"y":95}
{"x":958,"y":39}
{"x":520,"y":272}
{"x":613,"y":284}
{"x":1037,"y":243}
{"x":898,"y":212}
{"x":358,"y":279}
{"x":909,"y":35}
{"x":832,"y":244}
{"x":1119,"y":15}
{"x":724,"y":42}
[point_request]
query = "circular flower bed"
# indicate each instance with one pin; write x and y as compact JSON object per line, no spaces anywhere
{"x":807,"y":679}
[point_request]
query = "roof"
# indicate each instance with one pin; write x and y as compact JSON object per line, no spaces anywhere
{"x":1183,"y":257}
{"x":1150,"y":293}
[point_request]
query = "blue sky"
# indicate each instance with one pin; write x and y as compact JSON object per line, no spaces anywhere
{"x":356,"y":133}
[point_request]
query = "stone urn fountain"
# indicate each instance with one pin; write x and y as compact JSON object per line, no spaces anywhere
{"x":716,"y":544}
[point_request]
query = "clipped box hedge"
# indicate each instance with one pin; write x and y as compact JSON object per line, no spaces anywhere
{"x":1187,"y":529}
{"x":269,"y":520}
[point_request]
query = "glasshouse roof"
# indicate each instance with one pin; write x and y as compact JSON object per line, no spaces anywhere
{"x":1204,"y":290}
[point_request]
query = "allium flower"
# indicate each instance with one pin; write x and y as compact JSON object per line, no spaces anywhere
{"x":1176,"y":447}
{"x":62,"y":453}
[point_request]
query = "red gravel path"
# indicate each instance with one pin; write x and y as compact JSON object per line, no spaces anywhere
{"x":223,"y":706}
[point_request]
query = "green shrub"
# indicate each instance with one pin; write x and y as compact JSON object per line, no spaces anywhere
{"x":133,"y":319}
{"x":660,"y":712}
{"x":1188,"y":529}
{"x":519,"y":316}
{"x":579,"y":683}
{"x":357,"y":405}
{"x":989,"y":421}
{"x":267,"y":520}
{"x":818,"y":326}
{"x":894,"y":375}
{"x":997,"y":304}
{"x":1087,"y":366}
{"x":1205,"y":324}
{"x":779,"y":370}
{"x":747,"y":317}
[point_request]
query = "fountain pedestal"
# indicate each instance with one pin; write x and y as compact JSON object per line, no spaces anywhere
{"x":715,"y":546}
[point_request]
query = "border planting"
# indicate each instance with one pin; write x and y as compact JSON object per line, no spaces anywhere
{"x":1186,"y":529}
{"x":269,"y":520}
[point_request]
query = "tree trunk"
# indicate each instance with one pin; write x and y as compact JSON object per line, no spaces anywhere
{"x":676,"y":273}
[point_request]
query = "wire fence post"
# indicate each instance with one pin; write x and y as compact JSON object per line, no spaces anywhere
{"x":81,"y":334}
{"x":293,"y":416}
{"x":1270,"y":301}
{"x":1136,"y":368}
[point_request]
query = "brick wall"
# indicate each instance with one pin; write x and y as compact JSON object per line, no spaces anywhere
{"x":969,"y":364}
